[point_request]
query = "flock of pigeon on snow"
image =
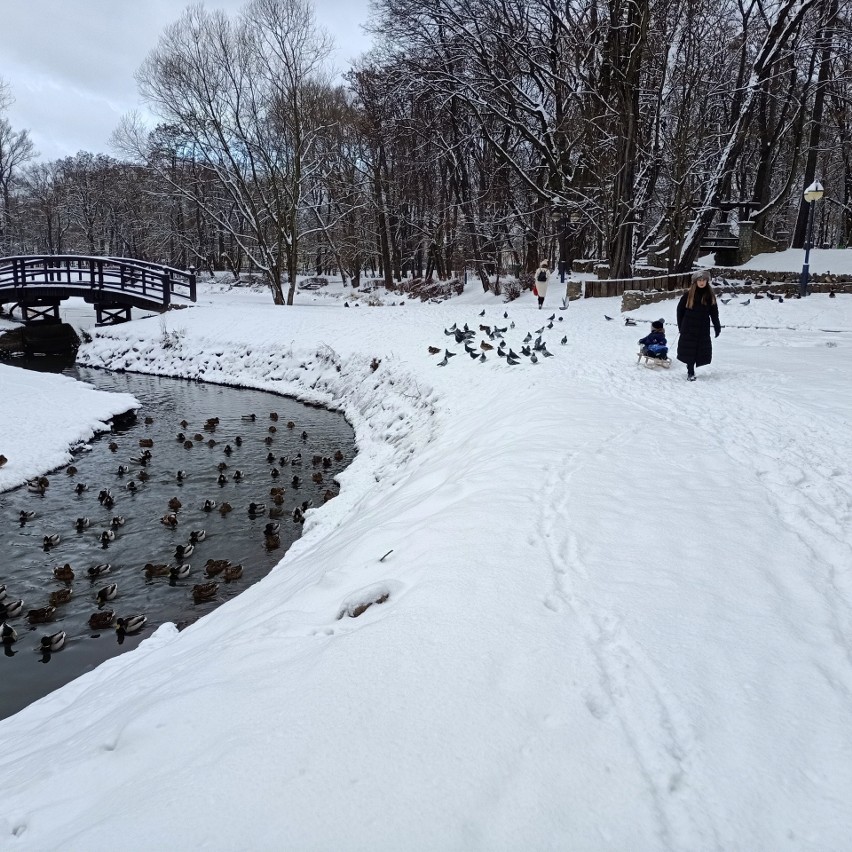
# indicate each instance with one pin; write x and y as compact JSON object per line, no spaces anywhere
{"x":533,"y":346}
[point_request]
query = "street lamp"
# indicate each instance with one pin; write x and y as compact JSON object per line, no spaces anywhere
{"x":812,"y":194}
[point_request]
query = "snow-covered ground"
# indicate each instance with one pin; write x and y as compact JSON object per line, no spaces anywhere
{"x":618,"y":615}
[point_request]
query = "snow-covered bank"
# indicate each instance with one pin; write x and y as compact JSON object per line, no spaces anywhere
{"x":619,"y":612}
{"x":43,"y":415}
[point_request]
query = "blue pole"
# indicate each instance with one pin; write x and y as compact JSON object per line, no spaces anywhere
{"x":803,"y":281}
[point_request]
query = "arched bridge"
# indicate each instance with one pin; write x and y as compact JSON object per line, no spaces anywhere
{"x":113,"y":285}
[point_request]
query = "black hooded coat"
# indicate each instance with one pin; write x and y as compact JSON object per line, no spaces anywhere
{"x":694,"y":345}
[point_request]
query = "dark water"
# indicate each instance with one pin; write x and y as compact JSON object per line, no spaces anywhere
{"x":27,"y":568}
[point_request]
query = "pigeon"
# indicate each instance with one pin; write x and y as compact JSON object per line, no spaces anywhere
{"x":512,"y":324}
{"x":512,"y":362}
{"x":564,"y":305}
{"x":482,"y":357}
{"x":549,"y":326}
{"x":346,"y":304}
{"x":745,"y":302}
{"x":448,"y":354}
{"x":629,"y":321}
{"x":725,"y":301}
{"x":533,"y":358}
{"x":444,"y":362}
{"x":560,"y":318}
{"x":505,"y":316}
{"x":551,"y":318}
{"x":545,"y":353}
{"x":606,"y":317}
{"x":434,"y":350}
{"x":473,"y":353}
{"x":485,"y":328}
{"x":538,"y":345}
{"x":501,"y":353}
{"x":468,"y":348}
{"x":482,"y":312}
{"x":540,"y":331}
{"x":525,"y":350}
{"x":527,"y":339}
{"x":513,"y":354}
{"x":564,"y":340}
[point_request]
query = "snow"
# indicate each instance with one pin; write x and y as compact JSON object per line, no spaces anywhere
{"x":619,"y":609}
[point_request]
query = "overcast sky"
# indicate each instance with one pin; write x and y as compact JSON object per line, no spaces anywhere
{"x":70,"y":63}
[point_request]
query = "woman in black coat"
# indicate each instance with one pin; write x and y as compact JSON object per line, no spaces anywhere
{"x":696,"y":309}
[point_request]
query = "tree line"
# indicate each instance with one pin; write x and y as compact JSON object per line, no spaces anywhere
{"x":481,"y":135}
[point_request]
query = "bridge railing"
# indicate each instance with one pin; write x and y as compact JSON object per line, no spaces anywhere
{"x":117,"y":274}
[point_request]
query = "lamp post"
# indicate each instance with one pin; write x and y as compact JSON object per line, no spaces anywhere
{"x":812,"y":194}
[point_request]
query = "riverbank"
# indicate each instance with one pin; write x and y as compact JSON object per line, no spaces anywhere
{"x":609,"y":608}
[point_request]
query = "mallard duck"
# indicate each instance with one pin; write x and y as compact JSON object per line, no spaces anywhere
{"x":221,"y":466}
{"x":104,"y":495}
{"x":175,"y":504}
{"x":102,"y":620}
{"x":146,"y":442}
{"x":272,"y":541}
{"x":284,"y":460}
{"x":329,"y":495}
{"x":25,"y":516}
{"x":197,"y":536}
{"x":338,"y":456}
{"x":183,"y":550}
{"x":149,"y":421}
{"x":225,"y":508}
{"x":221,"y":480}
{"x":11,"y":609}
{"x":35,"y":488}
{"x":211,"y":443}
{"x":228,"y":450}
{"x":113,"y":447}
{"x":187,"y":445}
{"x":291,"y":424}
{"x":272,"y":430}
{"x":107,"y":536}
{"x":181,"y":437}
{"x":52,"y":642}
{"x":3,"y":593}
{"x":268,"y":440}
{"x":64,"y":573}
{"x":109,"y":502}
{"x":122,"y":469}
{"x":131,"y":486}
{"x":204,"y":591}
{"x":270,"y":458}
{"x":180,"y":572}
{"x":156,"y":570}
{"x":117,"y":521}
{"x":256,"y":508}
{"x":144,"y":476}
{"x":295,"y":482}
{"x":107,"y":593}
{"x":3,"y":459}
{"x":271,"y":528}
{"x":41,"y":615}
{"x":209,"y":505}
{"x":304,"y":435}
{"x":249,"y":417}
{"x":99,"y":570}
{"x":296,"y":460}
{"x":276,"y":511}
{"x":8,"y":634}
{"x":298,"y":517}
{"x":238,"y":475}
{"x":181,"y":475}
{"x":198,"y":437}
{"x":316,"y":460}
{"x":216,"y":566}
{"x":82,"y":524}
{"x":51,"y":540}
{"x":130,"y":623}
{"x":317,"y":477}
{"x":273,"y":415}
{"x":275,"y":473}
{"x":276,"y":491}
{"x":170,"y":520}
{"x":233,"y":572}
{"x":62,"y":596}
{"x":183,"y":424}
{"x":70,"y":470}
{"x":238,"y":441}
{"x":326,"y":462}
{"x":305,"y":504}
{"x":80,"y":488}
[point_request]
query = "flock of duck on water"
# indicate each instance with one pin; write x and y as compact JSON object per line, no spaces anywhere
{"x":214,"y":569}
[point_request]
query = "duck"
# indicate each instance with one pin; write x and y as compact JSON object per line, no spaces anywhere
{"x":170,"y":520}
{"x":250,"y":418}
{"x":270,"y":457}
{"x":304,"y":435}
{"x":3,"y":593}
{"x":107,"y":593}
{"x":326,"y":462}
{"x":107,"y":536}
{"x":298,"y":517}
{"x":181,"y":475}
{"x":198,"y":437}
{"x":238,"y":441}
{"x":180,"y":572}
{"x":149,"y":421}
{"x":113,"y":447}
{"x":221,"y":466}
{"x":338,"y":455}
{"x":41,"y":615}
{"x":187,"y":445}
{"x":11,"y":609}
{"x":8,"y":634}
{"x":284,"y":460}
{"x":211,"y":443}
{"x":102,"y":620}
{"x":275,"y":512}
{"x":181,"y":437}
{"x":117,"y":521}
{"x":104,"y":495}
{"x":175,"y":504}
{"x":62,"y":596}
{"x":122,"y":469}
{"x":131,"y":486}
{"x":82,"y":524}
{"x":109,"y":502}
{"x":291,"y":424}
{"x":204,"y":591}
{"x":228,"y":450}
{"x":3,"y":459}
{"x":197,"y":536}
{"x":238,"y":475}
{"x":225,"y":508}
{"x":268,"y":440}
{"x":51,"y":540}
{"x":99,"y":570}
{"x":295,"y":482}
{"x":275,"y":473}
{"x":305,"y":504}
{"x":183,"y":424}
{"x":146,"y":442}
{"x":216,"y":566}
{"x":221,"y":480}
{"x":183,"y":550}
{"x":35,"y":488}
{"x":329,"y":495}
{"x":65,"y":573}
{"x":52,"y":642}
{"x":316,"y":460}
{"x":272,"y":528}
{"x":317,"y":477}
{"x":272,"y":430}
{"x":256,"y":508}
{"x":233,"y":572}
{"x":296,"y":460}
{"x":71,"y":470}
{"x":273,"y":415}
{"x":156,"y":570}
{"x":209,"y":505}
{"x":25,"y":516}
{"x":130,"y":623}
{"x":272,"y":542}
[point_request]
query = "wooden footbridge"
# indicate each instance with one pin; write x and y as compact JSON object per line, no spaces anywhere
{"x":36,"y":285}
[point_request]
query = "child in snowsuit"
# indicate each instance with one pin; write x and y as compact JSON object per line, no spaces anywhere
{"x":655,"y":344}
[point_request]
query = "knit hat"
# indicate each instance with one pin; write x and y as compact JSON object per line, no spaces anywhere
{"x":700,"y":273}
{"x":658,"y":324}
